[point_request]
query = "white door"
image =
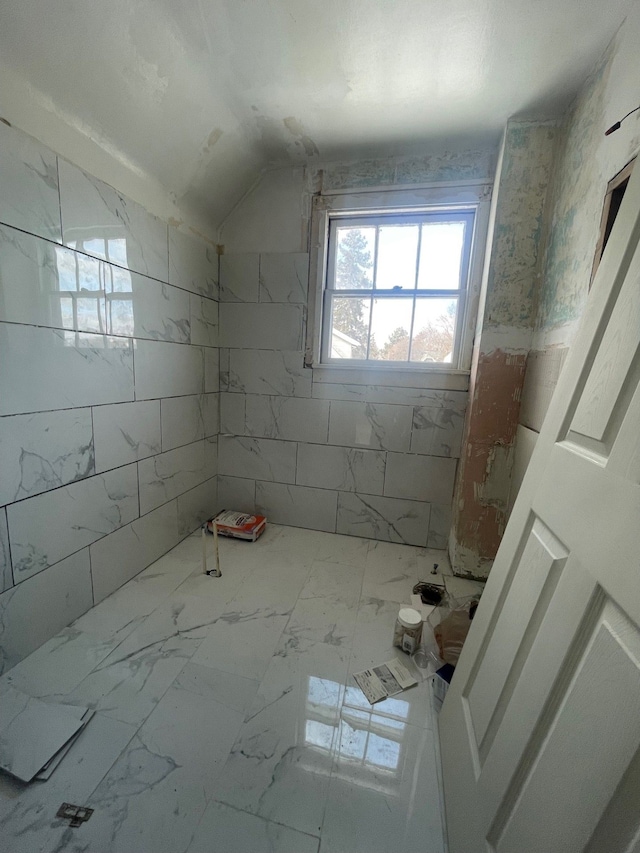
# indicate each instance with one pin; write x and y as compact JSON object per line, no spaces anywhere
{"x":540,"y":731}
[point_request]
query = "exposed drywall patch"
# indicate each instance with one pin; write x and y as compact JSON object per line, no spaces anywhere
{"x":484,"y":477}
{"x":496,"y":484}
{"x":481,"y":523}
{"x":495,"y":402}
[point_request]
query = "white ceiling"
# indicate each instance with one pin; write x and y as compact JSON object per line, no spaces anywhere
{"x":199,"y":95}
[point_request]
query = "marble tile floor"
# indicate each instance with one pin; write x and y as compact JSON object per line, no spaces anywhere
{"x":226,"y":715}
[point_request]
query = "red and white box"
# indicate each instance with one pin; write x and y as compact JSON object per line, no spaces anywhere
{"x":238,"y":525}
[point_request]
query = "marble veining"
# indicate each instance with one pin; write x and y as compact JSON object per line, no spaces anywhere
{"x":105,"y":317}
{"x":284,"y":277}
{"x":437,"y":431}
{"x":194,"y":505}
{"x":204,"y":321}
{"x":44,"y":369}
{"x":98,"y":220}
{"x":374,"y":425}
{"x":265,"y":326}
{"x":46,"y":528}
{"x":164,"y":369}
{"x":439,"y":526}
{"x":44,"y":284}
{"x":290,"y":418}
{"x":193,"y":264}
{"x":25,"y":811}
{"x":232,"y":413}
{"x":342,"y":468}
{"x":33,"y":611}
{"x":301,"y":506}
{"x":391,"y":394}
{"x":140,"y":307}
{"x":182,"y":420}
{"x":262,"y":458}
{"x":167,"y":475}
{"x":40,"y":452}
{"x":211,"y":370}
{"x":6,"y":574}
{"x":236,"y":492}
{"x":227,"y":717}
{"x":126,"y":432}
{"x":239,"y":278}
{"x":121,"y":555}
{"x":268,"y":372}
{"x":377,"y":517}
{"x":420,"y":478}
{"x":58,"y":666}
{"x":29,"y":179}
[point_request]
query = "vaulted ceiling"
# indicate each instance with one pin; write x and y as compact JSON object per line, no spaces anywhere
{"x":200,"y":95}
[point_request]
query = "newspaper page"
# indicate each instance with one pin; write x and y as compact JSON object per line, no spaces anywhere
{"x":384,"y":680}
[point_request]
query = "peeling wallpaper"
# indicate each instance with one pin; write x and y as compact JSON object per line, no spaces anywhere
{"x":475,"y":164}
{"x":577,"y":204}
{"x":586,"y":162}
{"x":524,"y":179}
{"x":274,"y":214}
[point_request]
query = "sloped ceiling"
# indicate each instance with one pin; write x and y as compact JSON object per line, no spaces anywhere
{"x":200,"y":95}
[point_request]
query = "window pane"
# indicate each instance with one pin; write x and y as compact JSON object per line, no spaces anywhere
{"x":355,"y":248}
{"x":397,"y":247}
{"x":117,"y":251}
{"x":66,"y":267}
{"x":66,"y":312}
{"x":349,"y":327}
{"x":441,"y":255}
{"x":390,"y":329}
{"x":434,"y":330}
{"x":319,"y":734}
{"x":121,"y":315}
{"x":383,"y":752}
{"x":88,"y":273}
{"x":120,"y":280}
{"x":90,"y":316}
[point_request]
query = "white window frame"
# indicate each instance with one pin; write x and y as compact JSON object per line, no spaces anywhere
{"x":440,"y":198}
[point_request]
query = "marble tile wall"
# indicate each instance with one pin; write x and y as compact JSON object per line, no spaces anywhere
{"x":108,"y":390}
{"x":377,"y":461}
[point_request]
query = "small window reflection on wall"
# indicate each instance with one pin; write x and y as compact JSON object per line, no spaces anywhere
{"x":616,"y":189}
{"x":80,"y":296}
{"x":119,"y":295}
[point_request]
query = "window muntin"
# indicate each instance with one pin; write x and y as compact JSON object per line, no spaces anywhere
{"x":396,"y":286}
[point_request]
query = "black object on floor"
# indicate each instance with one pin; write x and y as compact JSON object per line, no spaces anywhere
{"x":429,"y":593}
{"x":76,"y":815}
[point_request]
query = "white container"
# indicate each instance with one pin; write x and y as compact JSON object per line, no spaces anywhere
{"x":408,"y":630}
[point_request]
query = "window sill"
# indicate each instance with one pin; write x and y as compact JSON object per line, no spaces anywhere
{"x":444,"y":379}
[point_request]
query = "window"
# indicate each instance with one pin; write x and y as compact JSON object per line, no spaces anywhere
{"x":396,"y":286}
